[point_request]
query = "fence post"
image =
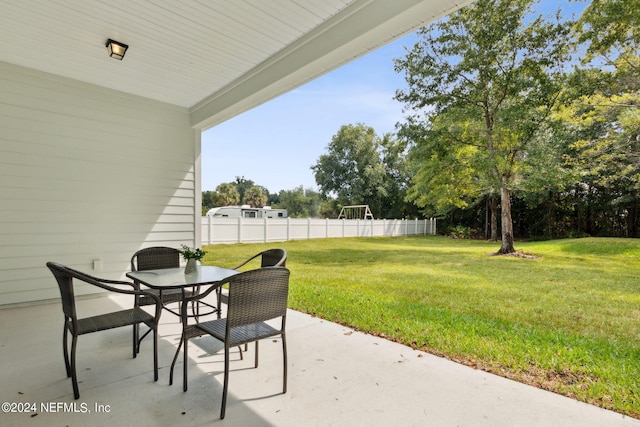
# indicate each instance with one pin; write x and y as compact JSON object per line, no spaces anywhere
{"x":308,"y":228}
{"x":239,"y":229}
{"x":326,"y":228}
{"x":288,"y":229}
{"x":265,"y":230}
{"x":210,"y":230}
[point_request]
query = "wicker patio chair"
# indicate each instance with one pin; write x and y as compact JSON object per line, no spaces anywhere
{"x":255,"y":297}
{"x":65,"y":277}
{"x":155,"y":258}
{"x":269,"y":258}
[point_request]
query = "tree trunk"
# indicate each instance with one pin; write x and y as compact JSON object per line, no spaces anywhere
{"x":494,"y":219}
{"x":551,"y":217}
{"x":507,"y":223}
{"x":631,"y":221}
{"x":486,"y":219}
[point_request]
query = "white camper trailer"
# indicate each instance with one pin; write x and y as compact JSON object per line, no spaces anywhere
{"x":246,"y":211}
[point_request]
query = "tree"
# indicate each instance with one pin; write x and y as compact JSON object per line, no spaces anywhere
{"x":329,"y":208}
{"x":226,"y":194}
{"x":242,"y":185}
{"x":397,"y":178}
{"x":255,"y":196}
{"x":352,"y":169}
{"x":300,"y":203}
{"x":603,"y":119}
{"x":493,"y":71}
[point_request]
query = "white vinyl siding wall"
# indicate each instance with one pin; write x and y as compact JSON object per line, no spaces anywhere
{"x":87,"y":173}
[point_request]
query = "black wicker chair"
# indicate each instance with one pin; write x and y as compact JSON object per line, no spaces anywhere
{"x":270,"y":258}
{"x":254,"y":297}
{"x":155,"y":258}
{"x":65,"y":277}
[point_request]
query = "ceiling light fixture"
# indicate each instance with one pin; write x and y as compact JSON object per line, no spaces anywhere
{"x":116,"y":49}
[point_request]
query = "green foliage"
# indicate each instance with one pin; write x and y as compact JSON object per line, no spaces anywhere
{"x":329,"y":208}
{"x":397,"y":179}
{"x":609,"y":27}
{"x":351,"y":169}
{"x":566,"y":321}
{"x":226,"y":194}
{"x":360,"y":168}
{"x":242,"y":185}
{"x":604,"y":127}
{"x":444,"y":176}
{"x":601,"y":118}
{"x":459,"y":232}
{"x":207,"y":201}
{"x":189,"y":253}
{"x":300,"y":203}
{"x":255,"y":196}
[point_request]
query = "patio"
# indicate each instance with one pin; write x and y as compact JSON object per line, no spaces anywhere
{"x":337,"y":377}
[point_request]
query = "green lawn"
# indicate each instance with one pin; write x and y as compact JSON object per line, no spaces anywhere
{"x":567,"y":321}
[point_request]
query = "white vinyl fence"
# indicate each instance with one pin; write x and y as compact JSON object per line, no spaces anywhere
{"x":255,"y":230}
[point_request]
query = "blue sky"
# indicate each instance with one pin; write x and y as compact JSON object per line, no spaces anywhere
{"x":276,"y":143}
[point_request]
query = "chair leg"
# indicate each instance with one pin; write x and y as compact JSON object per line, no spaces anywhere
{"x":184,"y":363}
{"x":284,"y":358}
{"x":74,"y":376}
{"x":65,"y":350}
{"x":155,"y":352}
{"x":256,"y":361}
{"x":218,"y":293}
{"x":136,"y":333}
{"x":226,"y":381}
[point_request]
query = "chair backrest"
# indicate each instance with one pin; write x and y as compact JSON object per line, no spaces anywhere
{"x":257,"y":296}
{"x":155,"y":258}
{"x":64,"y":277}
{"x":274,"y":257}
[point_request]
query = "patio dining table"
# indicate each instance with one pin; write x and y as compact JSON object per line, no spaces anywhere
{"x":175,"y":278}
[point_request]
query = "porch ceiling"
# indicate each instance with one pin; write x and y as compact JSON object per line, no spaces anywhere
{"x":216,"y":57}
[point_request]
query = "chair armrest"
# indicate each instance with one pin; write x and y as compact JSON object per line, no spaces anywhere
{"x":107,"y":284}
{"x":247,"y":261}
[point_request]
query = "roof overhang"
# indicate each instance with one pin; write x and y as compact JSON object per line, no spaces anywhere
{"x":217,"y":58}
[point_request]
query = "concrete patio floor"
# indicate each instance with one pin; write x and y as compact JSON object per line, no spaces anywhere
{"x":337,"y":377}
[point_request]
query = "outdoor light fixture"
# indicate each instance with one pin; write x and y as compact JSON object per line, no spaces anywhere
{"x":116,"y":49}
